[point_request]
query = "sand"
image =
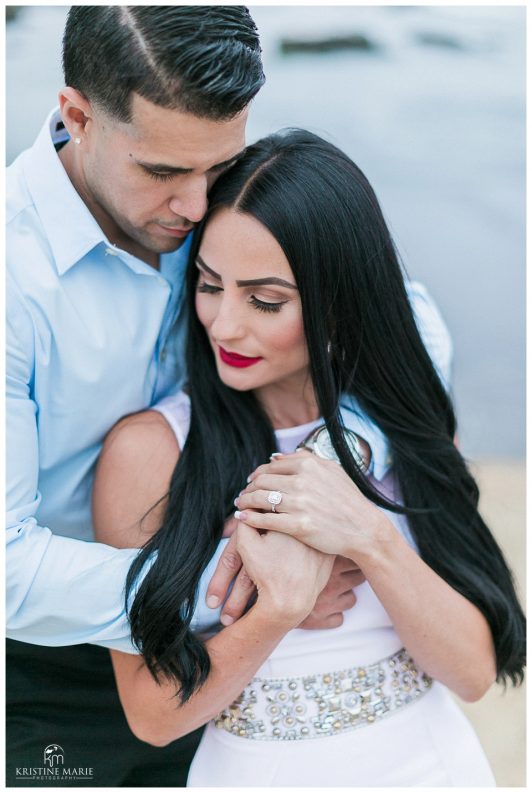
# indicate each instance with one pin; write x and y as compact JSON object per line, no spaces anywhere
{"x":499,"y":718}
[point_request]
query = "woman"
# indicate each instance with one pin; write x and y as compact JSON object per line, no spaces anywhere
{"x":299,"y":316}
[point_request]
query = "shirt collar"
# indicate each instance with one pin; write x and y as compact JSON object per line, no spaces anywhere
{"x":70,"y":228}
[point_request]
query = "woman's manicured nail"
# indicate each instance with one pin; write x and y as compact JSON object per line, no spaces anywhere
{"x":275,"y":454}
{"x":240,"y":515}
{"x":226,"y":620}
{"x":235,"y":502}
{"x":213,"y":601}
{"x":249,"y":479}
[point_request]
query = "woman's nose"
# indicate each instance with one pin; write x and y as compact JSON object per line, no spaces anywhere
{"x":228,"y":322}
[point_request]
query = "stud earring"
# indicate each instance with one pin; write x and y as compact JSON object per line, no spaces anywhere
{"x":77,"y":140}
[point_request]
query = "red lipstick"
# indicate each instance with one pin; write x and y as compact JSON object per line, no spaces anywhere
{"x":234,"y":359}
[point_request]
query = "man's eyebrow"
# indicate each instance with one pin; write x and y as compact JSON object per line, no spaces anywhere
{"x":253,"y":282}
{"x":161,"y":166}
{"x":226,"y":163}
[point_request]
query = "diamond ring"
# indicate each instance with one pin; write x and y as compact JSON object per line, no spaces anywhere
{"x":274,"y":498}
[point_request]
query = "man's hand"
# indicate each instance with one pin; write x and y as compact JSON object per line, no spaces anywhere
{"x":336,"y":597}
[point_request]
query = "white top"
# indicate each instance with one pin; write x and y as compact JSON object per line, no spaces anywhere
{"x":367,"y":633}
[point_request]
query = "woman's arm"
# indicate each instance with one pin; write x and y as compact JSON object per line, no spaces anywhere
{"x":445,"y":633}
{"x":424,"y":581}
{"x":288,"y":580}
{"x":153,"y":712}
{"x":134,"y":473}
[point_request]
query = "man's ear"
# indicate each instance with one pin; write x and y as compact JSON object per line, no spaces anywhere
{"x":76,"y":111}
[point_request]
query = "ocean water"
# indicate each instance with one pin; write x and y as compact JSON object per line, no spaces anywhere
{"x":439,"y":129}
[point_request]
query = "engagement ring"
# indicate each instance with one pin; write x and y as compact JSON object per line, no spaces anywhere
{"x":274,"y":498}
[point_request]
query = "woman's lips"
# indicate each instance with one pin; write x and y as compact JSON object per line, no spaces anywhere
{"x":234,"y":359}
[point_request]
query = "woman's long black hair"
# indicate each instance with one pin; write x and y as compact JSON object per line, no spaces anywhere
{"x":324,"y":214}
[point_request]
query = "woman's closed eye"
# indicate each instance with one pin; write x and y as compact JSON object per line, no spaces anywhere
{"x":260,"y":305}
{"x":209,"y":289}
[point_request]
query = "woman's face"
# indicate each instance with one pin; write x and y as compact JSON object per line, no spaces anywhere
{"x":249,"y":305}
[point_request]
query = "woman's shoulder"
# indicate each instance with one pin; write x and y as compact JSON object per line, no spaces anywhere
{"x":141,"y":432}
{"x":133,"y":475}
{"x":166,"y":422}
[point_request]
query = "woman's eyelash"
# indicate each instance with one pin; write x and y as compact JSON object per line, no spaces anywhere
{"x":260,"y":305}
{"x":210,"y":289}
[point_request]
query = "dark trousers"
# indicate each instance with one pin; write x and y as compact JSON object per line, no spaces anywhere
{"x":63,"y":701}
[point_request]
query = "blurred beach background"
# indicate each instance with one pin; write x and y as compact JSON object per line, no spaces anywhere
{"x":430,"y":102}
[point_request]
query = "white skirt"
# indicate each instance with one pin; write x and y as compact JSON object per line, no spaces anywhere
{"x":428,"y":743}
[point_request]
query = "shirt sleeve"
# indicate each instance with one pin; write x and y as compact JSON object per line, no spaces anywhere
{"x":60,"y":591}
{"x":433,"y":330}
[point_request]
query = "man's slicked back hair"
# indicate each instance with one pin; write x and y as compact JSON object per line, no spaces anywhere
{"x":204,"y":60}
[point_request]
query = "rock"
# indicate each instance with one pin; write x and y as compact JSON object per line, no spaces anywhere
{"x":440,"y":40}
{"x":11,"y":12}
{"x":356,"y":41}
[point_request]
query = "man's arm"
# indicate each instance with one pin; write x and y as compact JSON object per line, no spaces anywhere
{"x":60,"y":591}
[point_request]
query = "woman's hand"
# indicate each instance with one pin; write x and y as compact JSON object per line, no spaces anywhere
{"x":446,"y":634}
{"x":288,"y":575}
{"x":320,"y":505}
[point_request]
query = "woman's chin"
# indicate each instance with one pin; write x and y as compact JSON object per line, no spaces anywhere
{"x":237,"y":379}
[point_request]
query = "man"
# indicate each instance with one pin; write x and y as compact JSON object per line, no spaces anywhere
{"x":99,"y":213}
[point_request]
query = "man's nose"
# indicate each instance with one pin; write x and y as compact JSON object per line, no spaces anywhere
{"x":191,"y":203}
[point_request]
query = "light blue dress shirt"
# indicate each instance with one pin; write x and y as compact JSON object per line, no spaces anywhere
{"x":91,"y":336}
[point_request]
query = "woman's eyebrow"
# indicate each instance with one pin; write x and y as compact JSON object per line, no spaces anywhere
{"x":252,"y":282}
{"x":207,"y":269}
{"x":265,"y":281}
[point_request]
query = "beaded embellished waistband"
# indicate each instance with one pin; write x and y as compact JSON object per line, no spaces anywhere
{"x":314,"y":706}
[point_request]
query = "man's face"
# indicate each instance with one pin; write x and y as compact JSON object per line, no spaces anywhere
{"x":150,"y":177}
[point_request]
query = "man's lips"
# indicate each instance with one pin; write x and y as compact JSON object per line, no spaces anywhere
{"x":234,"y":359}
{"x":175,"y":232}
